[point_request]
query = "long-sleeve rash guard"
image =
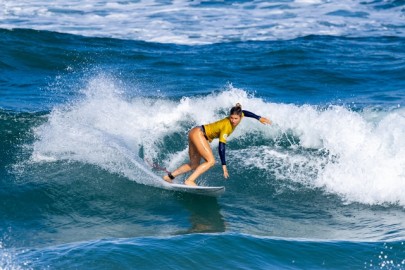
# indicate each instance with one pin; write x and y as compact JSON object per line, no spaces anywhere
{"x":221,"y":130}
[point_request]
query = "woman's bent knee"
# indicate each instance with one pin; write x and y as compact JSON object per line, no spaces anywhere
{"x":208,"y":163}
{"x":211,"y":162}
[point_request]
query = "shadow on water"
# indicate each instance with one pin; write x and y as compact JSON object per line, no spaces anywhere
{"x":205,"y":213}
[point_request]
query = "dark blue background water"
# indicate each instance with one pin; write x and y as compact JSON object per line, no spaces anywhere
{"x":322,"y":188}
{"x":313,"y":69}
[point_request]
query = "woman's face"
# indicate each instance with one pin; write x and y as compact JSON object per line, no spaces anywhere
{"x":235,"y":119}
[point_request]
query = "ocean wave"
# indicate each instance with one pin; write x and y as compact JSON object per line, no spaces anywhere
{"x":357,"y":155}
{"x":207,"y":22}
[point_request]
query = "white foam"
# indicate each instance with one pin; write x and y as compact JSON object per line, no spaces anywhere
{"x":358,"y":159}
{"x":359,"y":156}
{"x":191,"y":22}
{"x":8,"y":259}
{"x":102,"y":129}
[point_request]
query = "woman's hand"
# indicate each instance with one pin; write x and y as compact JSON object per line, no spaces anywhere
{"x":265,"y":121}
{"x":226,"y":174}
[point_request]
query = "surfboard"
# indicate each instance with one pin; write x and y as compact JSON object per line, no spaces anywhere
{"x":213,"y":191}
{"x":200,"y":190}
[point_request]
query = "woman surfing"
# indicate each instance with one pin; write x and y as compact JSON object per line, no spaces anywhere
{"x":198,"y":141}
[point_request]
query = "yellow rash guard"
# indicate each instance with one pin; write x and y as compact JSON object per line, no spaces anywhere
{"x":220,"y":129}
{"x":223,"y":128}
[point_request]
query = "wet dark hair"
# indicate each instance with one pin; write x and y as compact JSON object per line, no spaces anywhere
{"x":237,"y":109}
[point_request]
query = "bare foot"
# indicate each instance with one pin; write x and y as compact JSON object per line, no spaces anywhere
{"x":167,"y":179}
{"x":190,"y":183}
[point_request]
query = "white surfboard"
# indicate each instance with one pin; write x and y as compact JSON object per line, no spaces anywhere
{"x":200,"y":190}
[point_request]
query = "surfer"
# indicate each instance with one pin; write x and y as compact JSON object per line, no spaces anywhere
{"x":199,"y":147}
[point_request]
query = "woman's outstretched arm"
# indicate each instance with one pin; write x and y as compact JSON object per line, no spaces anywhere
{"x":262,"y":120}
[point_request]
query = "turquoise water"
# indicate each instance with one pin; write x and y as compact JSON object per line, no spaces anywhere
{"x":84,"y":100}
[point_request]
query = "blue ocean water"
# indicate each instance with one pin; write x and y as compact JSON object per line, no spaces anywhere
{"x":91,"y":89}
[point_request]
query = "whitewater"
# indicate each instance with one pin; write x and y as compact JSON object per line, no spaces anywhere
{"x":207,"y":22}
{"x":331,"y":147}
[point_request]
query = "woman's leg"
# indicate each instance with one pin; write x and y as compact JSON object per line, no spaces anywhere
{"x":194,"y":157}
{"x":194,"y":162}
{"x":198,"y":148}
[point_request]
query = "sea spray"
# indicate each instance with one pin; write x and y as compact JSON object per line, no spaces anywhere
{"x":333,"y":148}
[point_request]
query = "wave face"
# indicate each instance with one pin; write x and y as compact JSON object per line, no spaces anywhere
{"x":207,"y":22}
{"x":359,"y":156}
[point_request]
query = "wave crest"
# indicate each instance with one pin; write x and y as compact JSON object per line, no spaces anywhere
{"x":358,"y":155}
